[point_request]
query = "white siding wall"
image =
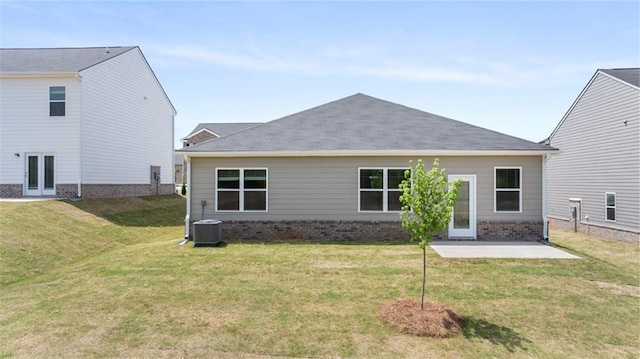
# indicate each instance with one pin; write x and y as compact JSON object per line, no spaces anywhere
{"x":598,"y":154}
{"x":127,"y":123}
{"x":319,"y":188}
{"x":25,"y":126}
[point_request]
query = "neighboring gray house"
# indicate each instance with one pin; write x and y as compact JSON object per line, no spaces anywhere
{"x":205,"y":132}
{"x":89,"y":122}
{"x":209,"y":131}
{"x":596,"y":175}
{"x":331,"y":172}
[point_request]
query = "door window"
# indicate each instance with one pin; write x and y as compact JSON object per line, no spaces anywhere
{"x":463,"y":218}
{"x":33,"y":173}
{"x":48,"y":172}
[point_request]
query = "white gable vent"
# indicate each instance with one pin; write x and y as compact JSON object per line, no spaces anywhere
{"x":207,"y":232}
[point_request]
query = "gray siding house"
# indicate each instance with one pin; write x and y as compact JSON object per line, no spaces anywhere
{"x":594,"y":182}
{"x":331,"y":172}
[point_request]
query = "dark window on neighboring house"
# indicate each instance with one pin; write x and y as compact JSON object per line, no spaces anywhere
{"x":508,"y":189}
{"x":57,"y":102}
{"x":610,"y":206}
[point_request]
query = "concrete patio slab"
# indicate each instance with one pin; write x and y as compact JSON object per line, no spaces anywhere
{"x":482,"y":249}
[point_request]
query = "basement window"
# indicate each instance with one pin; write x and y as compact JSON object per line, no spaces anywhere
{"x":610,"y":206}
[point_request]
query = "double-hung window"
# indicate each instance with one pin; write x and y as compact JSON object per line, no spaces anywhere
{"x":378,"y":189}
{"x":508,"y":189}
{"x":241,"y":189}
{"x":57,"y":98}
{"x":610,"y":206}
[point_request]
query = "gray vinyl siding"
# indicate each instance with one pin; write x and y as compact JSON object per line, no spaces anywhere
{"x":598,"y":154}
{"x":326,"y":188}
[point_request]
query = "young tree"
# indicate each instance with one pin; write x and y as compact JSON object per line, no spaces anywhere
{"x":427,"y":201}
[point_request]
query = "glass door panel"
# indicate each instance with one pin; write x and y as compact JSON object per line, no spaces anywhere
{"x":461,"y":213}
{"x":33,"y":173}
{"x":49,"y":187}
{"x":463,"y":216}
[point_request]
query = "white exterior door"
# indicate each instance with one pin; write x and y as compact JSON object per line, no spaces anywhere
{"x":463,"y":216}
{"x":39,"y":174}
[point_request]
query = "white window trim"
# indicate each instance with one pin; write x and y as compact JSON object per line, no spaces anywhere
{"x":495,"y":189}
{"x":606,"y":207}
{"x":58,"y":101}
{"x":242,"y":189}
{"x":384,"y":189}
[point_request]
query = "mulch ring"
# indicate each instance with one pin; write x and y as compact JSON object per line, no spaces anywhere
{"x":436,"y":320}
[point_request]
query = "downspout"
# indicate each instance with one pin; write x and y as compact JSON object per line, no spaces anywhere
{"x":545,"y":223}
{"x":187,"y":223}
{"x":79,"y":191}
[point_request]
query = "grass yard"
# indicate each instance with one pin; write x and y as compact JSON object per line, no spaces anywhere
{"x":105,"y":278}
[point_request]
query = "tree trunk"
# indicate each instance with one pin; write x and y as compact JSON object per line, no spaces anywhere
{"x":424,"y":275}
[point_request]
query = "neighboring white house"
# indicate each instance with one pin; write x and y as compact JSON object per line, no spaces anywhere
{"x":332,"y":172}
{"x":596,"y":175}
{"x":90,"y":122}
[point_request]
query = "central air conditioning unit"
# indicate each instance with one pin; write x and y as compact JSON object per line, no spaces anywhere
{"x":207,"y":232}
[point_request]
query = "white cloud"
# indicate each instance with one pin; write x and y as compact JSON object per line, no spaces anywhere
{"x":256,"y":60}
{"x":376,"y":64}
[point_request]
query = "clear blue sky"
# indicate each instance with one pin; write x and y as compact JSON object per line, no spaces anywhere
{"x":514,"y":67}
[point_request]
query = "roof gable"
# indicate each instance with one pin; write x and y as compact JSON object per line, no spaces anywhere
{"x":25,"y":61}
{"x":56,"y":60}
{"x":630,"y":76}
{"x":364,"y":123}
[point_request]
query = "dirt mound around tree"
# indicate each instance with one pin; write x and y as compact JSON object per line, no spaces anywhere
{"x":436,"y":320}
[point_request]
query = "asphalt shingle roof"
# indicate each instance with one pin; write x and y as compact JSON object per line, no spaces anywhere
{"x":631,"y":75}
{"x":56,"y":59}
{"x":363,"y":123}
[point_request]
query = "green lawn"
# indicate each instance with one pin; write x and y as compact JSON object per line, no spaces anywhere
{"x":106,"y":278}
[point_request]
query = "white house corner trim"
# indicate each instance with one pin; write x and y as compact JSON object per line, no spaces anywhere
{"x":545,"y":225}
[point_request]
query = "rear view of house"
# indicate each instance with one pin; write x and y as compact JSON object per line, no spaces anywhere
{"x":90,"y":122}
{"x":594,"y":182}
{"x":332,"y":172}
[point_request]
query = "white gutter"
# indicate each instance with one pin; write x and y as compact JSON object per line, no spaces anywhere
{"x":187,"y":225}
{"x":390,"y":153}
